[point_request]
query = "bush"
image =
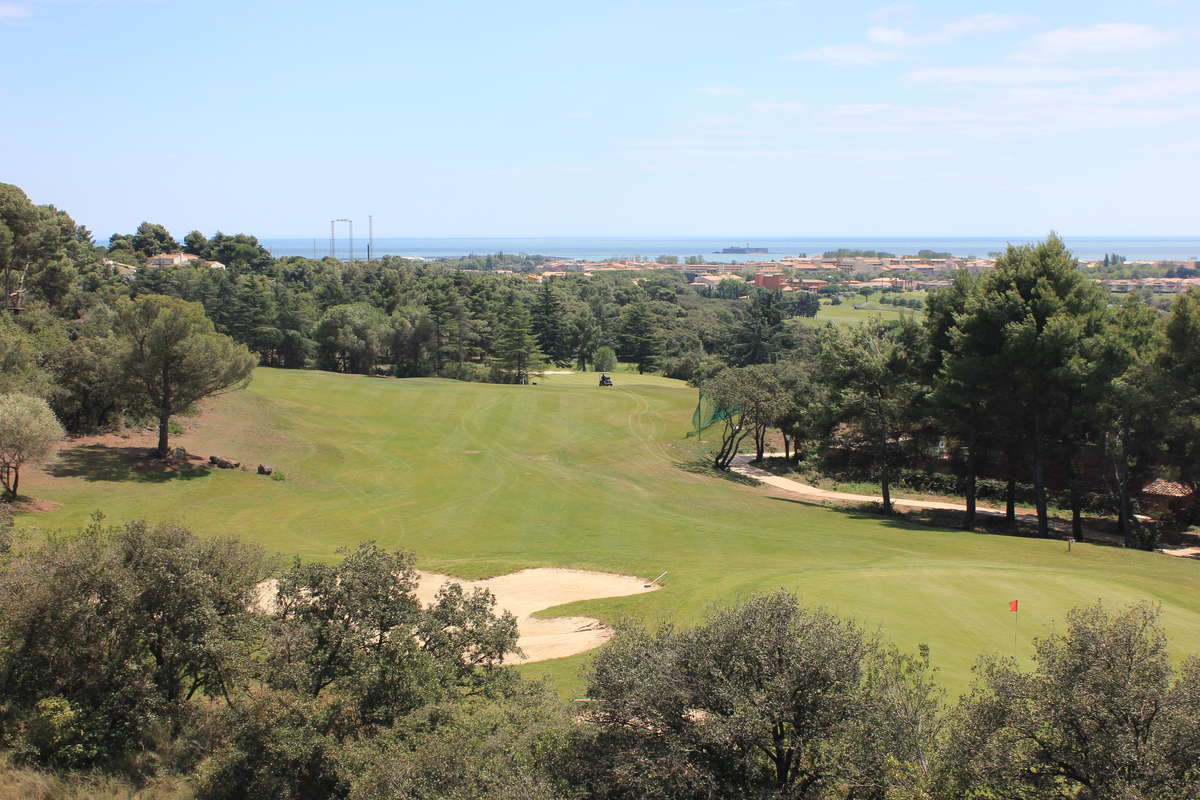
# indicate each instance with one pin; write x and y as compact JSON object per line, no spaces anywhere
{"x":279,"y":749}
{"x":691,"y":365}
{"x":105,"y":637}
{"x":56,"y":735}
{"x":467,"y":371}
{"x":605,"y":360}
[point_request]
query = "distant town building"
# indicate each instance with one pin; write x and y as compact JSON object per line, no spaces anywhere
{"x":770,"y":280}
{"x":170,"y":259}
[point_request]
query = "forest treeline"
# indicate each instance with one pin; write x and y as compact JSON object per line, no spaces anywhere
{"x":141,"y":656}
{"x":1029,"y":374}
{"x":466,"y":319}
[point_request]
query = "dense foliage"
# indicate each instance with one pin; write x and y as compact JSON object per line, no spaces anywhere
{"x":1026,"y":374}
{"x":144,"y":652}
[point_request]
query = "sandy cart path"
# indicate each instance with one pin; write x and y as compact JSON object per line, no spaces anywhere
{"x":742,"y":466}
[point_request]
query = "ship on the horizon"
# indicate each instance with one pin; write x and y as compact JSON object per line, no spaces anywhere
{"x":741,"y":250}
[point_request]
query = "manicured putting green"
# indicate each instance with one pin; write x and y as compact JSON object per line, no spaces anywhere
{"x":480,"y":480}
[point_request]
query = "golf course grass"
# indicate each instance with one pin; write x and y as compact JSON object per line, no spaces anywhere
{"x":846,"y":314}
{"x":480,"y":480}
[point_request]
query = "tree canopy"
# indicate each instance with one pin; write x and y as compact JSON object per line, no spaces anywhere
{"x":28,"y":432}
{"x":173,"y":357}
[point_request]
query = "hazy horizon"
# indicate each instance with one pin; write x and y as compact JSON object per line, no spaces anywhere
{"x":590,"y":248}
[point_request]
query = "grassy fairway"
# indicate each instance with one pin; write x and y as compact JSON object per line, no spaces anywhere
{"x":847,"y":314}
{"x":480,"y":479}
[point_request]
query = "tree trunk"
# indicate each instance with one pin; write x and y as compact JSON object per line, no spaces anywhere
{"x":969,"y":520}
{"x":15,"y":472}
{"x":1125,"y":520}
{"x":1039,"y":479}
{"x":163,"y":423}
{"x":728,"y":448}
{"x":787,"y":447}
{"x":1076,"y":514}
{"x":1076,"y":497}
{"x":884,"y":474}
{"x":1124,"y":523}
{"x":7,"y":284}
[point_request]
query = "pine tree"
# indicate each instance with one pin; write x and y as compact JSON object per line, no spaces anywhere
{"x":518,"y":347}
{"x":640,"y":340}
{"x":550,"y":326}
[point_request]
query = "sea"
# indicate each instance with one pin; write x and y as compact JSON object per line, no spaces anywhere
{"x":1174,"y":248}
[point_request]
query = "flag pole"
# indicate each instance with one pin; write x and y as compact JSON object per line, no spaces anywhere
{"x":1014,"y":606}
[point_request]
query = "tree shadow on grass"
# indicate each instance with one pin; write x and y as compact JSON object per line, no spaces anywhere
{"x":704,"y":466}
{"x":950,"y":522}
{"x":97,"y":462}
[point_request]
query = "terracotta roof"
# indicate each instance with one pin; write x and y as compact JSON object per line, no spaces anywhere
{"x":1163,"y":488}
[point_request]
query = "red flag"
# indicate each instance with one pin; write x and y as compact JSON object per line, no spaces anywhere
{"x":1012,"y":605}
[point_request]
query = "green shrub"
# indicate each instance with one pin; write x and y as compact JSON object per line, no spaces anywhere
{"x":278,"y":476}
{"x":56,"y":735}
{"x":466,"y":371}
{"x":605,"y":360}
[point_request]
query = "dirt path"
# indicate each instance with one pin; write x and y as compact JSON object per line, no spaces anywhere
{"x":742,"y":466}
{"x":526,"y":592}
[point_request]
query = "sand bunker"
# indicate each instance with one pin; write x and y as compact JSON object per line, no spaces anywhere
{"x":527,"y":592}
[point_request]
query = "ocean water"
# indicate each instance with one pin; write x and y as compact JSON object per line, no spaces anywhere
{"x":600,"y":248}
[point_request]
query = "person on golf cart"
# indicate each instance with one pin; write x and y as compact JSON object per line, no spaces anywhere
{"x":605,"y":380}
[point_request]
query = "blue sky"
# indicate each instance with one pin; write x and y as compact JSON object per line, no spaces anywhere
{"x":740,"y":117}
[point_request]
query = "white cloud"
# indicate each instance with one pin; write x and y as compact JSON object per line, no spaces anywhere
{"x":1137,"y":91}
{"x":769,"y":4}
{"x":787,"y":106}
{"x":716,"y":120}
{"x":845,"y":55}
{"x":1050,"y":85}
{"x":720,"y":91}
{"x":979,"y":23}
{"x":885,"y":40}
{"x":983,"y":23}
{"x":12,"y":13}
{"x":893,"y":13}
{"x":1182,"y":148}
{"x":1006,"y":116}
{"x":1011,"y":75}
{"x":1110,"y":39}
{"x":864,"y":109}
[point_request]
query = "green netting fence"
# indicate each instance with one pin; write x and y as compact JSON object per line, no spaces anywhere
{"x":707,"y":412}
